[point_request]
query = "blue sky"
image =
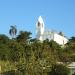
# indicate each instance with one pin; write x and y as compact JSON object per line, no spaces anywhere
{"x":58,"y":15}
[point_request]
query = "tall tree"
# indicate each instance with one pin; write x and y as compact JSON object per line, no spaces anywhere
{"x":71,"y":43}
{"x":13,"y":31}
{"x":3,"y":39}
{"x":23,"y":37}
{"x":72,"y":39}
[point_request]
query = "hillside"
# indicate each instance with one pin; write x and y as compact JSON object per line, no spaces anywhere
{"x":24,"y":55}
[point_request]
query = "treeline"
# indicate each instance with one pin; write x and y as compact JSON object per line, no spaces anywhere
{"x":32,"y":57}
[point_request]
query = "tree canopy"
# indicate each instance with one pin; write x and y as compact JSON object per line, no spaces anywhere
{"x":32,"y":57}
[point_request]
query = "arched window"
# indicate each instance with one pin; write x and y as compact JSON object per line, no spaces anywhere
{"x":38,"y":24}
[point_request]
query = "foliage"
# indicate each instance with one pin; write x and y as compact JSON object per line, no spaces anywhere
{"x":3,"y":39}
{"x":73,"y":74}
{"x":23,"y":37}
{"x":32,"y":57}
{"x":59,"y":69}
{"x":13,"y":31}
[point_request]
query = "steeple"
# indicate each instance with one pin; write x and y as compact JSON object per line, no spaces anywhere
{"x":40,"y":28}
{"x":40,"y":19}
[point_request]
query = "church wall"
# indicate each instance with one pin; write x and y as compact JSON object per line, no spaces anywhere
{"x":60,"y":39}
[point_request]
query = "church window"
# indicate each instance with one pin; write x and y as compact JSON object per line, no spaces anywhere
{"x":38,"y":24}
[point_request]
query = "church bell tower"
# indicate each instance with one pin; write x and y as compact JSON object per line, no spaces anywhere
{"x":40,"y":29}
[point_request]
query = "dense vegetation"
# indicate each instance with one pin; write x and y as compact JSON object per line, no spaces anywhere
{"x":27,"y":56}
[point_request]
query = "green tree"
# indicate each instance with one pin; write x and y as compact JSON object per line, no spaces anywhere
{"x":4,"y":50}
{"x":13,"y":31}
{"x":23,"y":37}
{"x":71,"y":43}
{"x":72,"y":39}
{"x":73,"y":74}
{"x":3,"y":39}
{"x":59,"y":69}
{"x":16,"y":51}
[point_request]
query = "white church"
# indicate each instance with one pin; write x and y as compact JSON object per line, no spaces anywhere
{"x":42,"y":34}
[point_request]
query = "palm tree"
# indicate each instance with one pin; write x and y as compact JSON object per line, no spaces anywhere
{"x":24,"y":37}
{"x":13,"y":31}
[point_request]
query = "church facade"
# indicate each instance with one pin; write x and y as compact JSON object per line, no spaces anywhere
{"x":42,"y":34}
